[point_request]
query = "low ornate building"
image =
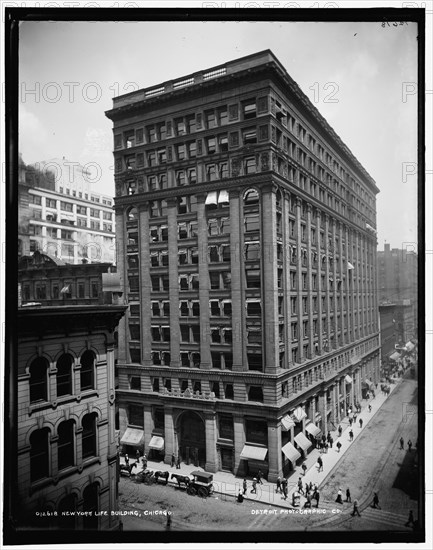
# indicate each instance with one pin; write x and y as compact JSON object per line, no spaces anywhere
{"x":246,"y":248}
{"x":64,"y":419}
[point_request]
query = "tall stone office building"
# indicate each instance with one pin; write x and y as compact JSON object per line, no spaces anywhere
{"x":247,"y":250}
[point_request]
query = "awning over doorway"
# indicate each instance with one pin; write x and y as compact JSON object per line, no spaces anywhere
{"x":298,"y":414}
{"x":291,"y":453}
{"x":312,"y":429}
{"x":409,"y":346}
{"x":303,"y":442}
{"x":348,"y":379}
{"x":249,"y":452}
{"x":394,"y":356}
{"x":132,"y":436}
{"x":369,"y":383}
{"x":287,"y":422}
{"x":156,"y":443}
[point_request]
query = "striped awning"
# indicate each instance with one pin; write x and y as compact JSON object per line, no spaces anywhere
{"x":249,"y":452}
{"x":298,"y":414}
{"x":287,"y":422}
{"x":291,"y":452}
{"x":312,"y":429}
{"x":156,"y":443}
{"x":303,"y":442}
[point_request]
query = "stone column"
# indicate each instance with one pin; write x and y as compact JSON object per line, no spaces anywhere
{"x":145,"y":287}
{"x":123,"y":330}
{"x":239,"y":442}
{"x":274,"y":450}
{"x":310,"y":286}
{"x":211,"y":437}
{"x":286,"y":279}
{"x":327,"y":275}
{"x":335,"y":403}
{"x":173,"y":262}
{"x":319,"y":284}
{"x":168,"y":435}
{"x":323,"y":406}
{"x":203,"y":273}
{"x":270,"y":341}
{"x":299,"y":281}
{"x":148,"y":426}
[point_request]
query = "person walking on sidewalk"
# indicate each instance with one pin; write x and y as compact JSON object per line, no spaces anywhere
{"x":278,"y":489}
{"x":137,"y":456}
{"x":409,"y":445}
{"x":360,"y":422}
{"x":320,"y":463}
{"x":376,"y":501}
{"x":348,"y":497}
{"x":173,"y":460}
{"x":300,"y":489}
{"x":339,"y":498}
{"x":259,"y":477}
{"x":178,"y":462}
{"x":350,"y":422}
{"x":284,"y":487}
{"x":355,"y":509}
{"x":338,"y":446}
{"x":317,"y":497}
{"x":351,"y":435}
{"x":245,"y":486}
{"x":254,"y":489}
{"x":369,"y":408}
{"x":401,"y":443}
{"x":340,"y":430}
{"x":304,"y":468}
{"x":331,"y":442}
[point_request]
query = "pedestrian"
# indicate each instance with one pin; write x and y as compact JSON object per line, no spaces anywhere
{"x":328,"y":436}
{"x":410,"y":521}
{"x":376,"y":501}
{"x":300,"y":489}
{"x":350,"y":422}
{"x":351,"y":435}
{"x":340,"y":430}
{"x":409,"y":445}
{"x":360,"y":422}
{"x":245,"y":486}
{"x":308,"y":501}
{"x":369,"y":408}
{"x":355,"y":509}
{"x":284,"y":487}
{"x":304,"y":468}
{"x":144,"y":462}
{"x":331,"y":442}
{"x":348,"y":497}
{"x":323,"y":438}
{"x":278,"y":489}
{"x":320,"y":463}
{"x":259,"y":477}
{"x":339,"y":498}
{"x":307,"y":488}
{"x":178,"y":462}
{"x":355,"y":416}
{"x":338,"y":446}
{"x":127,"y":460}
{"x":317,"y":497}
{"x":137,"y":456}
{"x":240,"y":497}
{"x":401,"y":443}
{"x":173,"y":460}
{"x":254,"y":489}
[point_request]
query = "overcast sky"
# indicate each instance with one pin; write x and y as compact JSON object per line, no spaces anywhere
{"x":357,"y":75}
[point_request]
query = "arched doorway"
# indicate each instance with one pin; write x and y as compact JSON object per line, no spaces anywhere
{"x":192,"y":439}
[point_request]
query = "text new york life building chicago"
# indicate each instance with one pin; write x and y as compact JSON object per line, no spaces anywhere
{"x":247,"y":250}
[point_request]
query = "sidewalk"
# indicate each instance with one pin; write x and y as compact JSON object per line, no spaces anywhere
{"x":228,"y":484}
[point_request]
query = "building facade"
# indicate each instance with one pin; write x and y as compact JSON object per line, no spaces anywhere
{"x":247,"y":251}
{"x":61,"y":216}
{"x":67,"y":449}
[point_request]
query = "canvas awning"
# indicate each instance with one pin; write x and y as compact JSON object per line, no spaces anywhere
{"x":249,"y":452}
{"x":369,"y":383}
{"x":312,"y":429}
{"x":303,"y":442}
{"x":212,"y":198}
{"x":394,"y":356}
{"x":287,"y":422}
{"x":409,"y":346}
{"x":348,"y":379}
{"x":299,"y":414}
{"x":291,"y":452}
{"x":223,"y":197}
{"x":156,"y":443}
{"x":132,"y":436}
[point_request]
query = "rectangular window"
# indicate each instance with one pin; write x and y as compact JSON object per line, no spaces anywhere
{"x":249,"y":109}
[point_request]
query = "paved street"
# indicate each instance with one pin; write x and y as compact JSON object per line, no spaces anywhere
{"x":372,"y":462}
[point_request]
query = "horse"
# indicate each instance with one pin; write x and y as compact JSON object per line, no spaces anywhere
{"x":125,"y":469}
{"x":163,"y":475}
{"x":181,"y":479}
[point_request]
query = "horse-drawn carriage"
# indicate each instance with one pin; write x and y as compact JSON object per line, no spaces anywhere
{"x":149,"y":477}
{"x":201,"y":484}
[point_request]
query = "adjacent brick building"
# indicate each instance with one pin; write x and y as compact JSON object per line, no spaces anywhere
{"x":247,"y":251}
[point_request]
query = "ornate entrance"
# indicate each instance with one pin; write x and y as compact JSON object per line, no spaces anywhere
{"x":192,"y":439}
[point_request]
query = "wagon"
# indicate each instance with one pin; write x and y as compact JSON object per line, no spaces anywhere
{"x":201,"y":485}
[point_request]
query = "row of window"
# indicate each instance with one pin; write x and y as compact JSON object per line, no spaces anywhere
{"x":39,"y":384}
{"x":57,"y":290}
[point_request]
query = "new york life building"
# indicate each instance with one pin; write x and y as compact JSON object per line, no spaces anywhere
{"x":247,"y":250}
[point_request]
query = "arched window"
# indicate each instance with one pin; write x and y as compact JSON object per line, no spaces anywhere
{"x":39,"y":455}
{"x":251,"y":197}
{"x":87,"y":375}
{"x":90,"y":504}
{"x":65,"y":445}
{"x":64,"y":375}
{"x":132,"y":214}
{"x":67,"y":504}
{"x":89,"y":447}
{"x":38,"y":380}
